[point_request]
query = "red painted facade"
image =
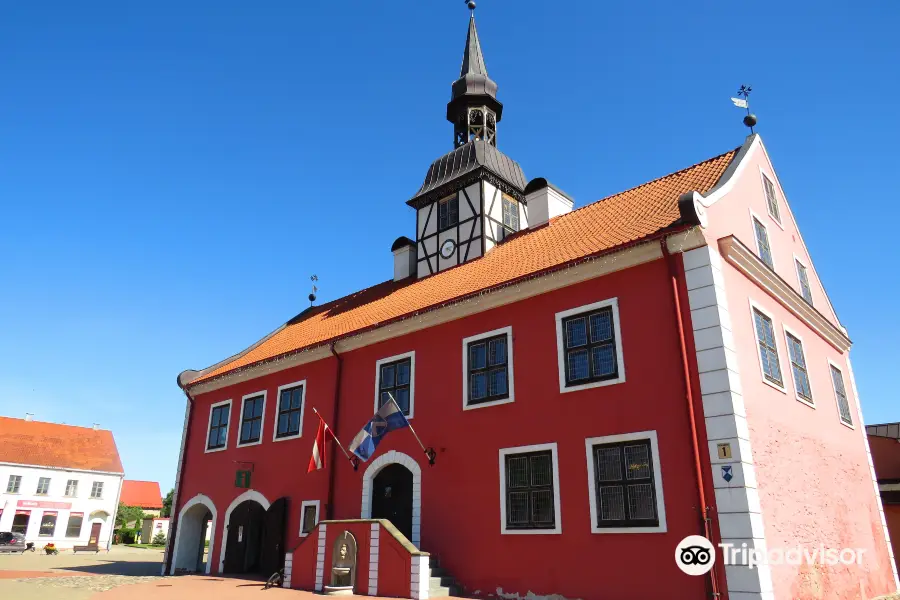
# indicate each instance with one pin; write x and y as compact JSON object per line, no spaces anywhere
{"x":460,"y":494}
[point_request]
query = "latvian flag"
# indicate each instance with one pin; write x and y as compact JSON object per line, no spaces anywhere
{"x":317,"y":460}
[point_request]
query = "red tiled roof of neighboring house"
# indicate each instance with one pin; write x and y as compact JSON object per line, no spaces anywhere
{"x":615,"y":221}
{"x":55,"y":445}
{"x":144,"y":494}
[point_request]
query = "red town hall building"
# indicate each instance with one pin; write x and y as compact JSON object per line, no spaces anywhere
{"x":596,"y":383}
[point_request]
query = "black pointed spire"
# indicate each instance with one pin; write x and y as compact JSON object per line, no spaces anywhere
{"x":473,"y":108}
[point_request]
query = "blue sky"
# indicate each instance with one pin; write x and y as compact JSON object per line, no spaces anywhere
{"x":171,"y":173}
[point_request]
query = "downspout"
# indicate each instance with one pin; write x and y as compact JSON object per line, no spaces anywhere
{"x":329,"y":504}
{"x":179,"y":475}
{"x":706,"y":523}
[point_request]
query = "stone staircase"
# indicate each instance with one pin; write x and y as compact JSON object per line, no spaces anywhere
{"x":441,"y":584}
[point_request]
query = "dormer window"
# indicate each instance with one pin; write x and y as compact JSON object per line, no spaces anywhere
{"x":771,"y":199}
{"x":510,"y":214}
{"x":448,"y":212}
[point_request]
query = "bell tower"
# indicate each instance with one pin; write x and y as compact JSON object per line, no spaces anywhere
{"x":473,"y":108}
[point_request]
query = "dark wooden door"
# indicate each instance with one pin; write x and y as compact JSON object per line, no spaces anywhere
{"x":272,"y":552}
{"x":94,"y":540}
{"x":392,"y":497}
{"x":234,"y":550}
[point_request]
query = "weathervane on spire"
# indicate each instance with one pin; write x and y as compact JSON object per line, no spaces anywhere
{"x":312,"y":295}
{"x":743,"y":101}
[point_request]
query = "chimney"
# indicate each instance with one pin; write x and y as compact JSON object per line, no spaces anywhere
{"x":545,"y":201}
{"x":29,"y":416}
{"x":404,"y":250}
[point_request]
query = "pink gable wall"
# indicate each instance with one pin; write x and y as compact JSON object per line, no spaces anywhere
{"x":815,"y":483}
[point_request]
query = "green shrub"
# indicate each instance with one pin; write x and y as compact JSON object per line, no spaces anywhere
{"x":159,"y":539}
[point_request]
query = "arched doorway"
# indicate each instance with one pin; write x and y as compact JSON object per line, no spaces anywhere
{"x":197,"y":516}
{"x":392,"y":489}
{"x":392,"y":497}
{"x":253,"y":541}
{"x":99,"y":532}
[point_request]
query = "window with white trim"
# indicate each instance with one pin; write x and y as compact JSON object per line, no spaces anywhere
{"x":97,"y":490}
{"x":43,"y":486}
{"x":510,"y":214}
{"x":395,"y":378}
{"x":762,"y":243}
{"x":840,"y":394}
{"x":73,"y":526}
{"x":309,"y":516}
{"x":251,"y":419}
{"x":218,"y":426}
{"x":288,"y":421}
{"x":448,"y":212}
{"x":530,"y":494}
{"x":803,"y":279}
{"x":771,"y":198}
{"x":589,"y":342}
{"x":71,"y":488}
{"x":798,"y":367}
{"x":13,"y":485}
{"x":48,"y":524}
{"x":768,"y":351}
{"x":487,"y":360}
{"x":625,"y":493}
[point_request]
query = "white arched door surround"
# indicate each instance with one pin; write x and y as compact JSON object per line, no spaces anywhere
{"x":248,"y":495}
{"x":377,"y":465}
{"x":189,"y":532}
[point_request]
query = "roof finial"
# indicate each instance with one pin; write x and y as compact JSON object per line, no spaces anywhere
{"x":743,"y":101}
{"x":471,"y":5}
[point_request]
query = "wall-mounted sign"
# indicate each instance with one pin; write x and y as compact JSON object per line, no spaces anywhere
{"x":724,"y":450}
{"x":242,"y":479}
{"x":40,"y":504}
{"x":727,"y":475}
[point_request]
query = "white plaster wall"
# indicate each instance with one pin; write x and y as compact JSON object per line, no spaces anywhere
{"x":81,"y":502}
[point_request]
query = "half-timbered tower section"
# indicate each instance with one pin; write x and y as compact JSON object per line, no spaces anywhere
{"x":596,"y":385}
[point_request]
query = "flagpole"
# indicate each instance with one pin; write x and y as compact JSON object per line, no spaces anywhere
{"x":336,"y":441}
{"x":413,"y":431}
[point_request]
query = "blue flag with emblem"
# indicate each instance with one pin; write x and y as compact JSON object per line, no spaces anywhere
{"x":388,"y":418}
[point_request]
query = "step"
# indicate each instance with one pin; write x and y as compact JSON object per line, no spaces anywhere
{"x":438,"y":571}
{"x":444,"y":591}
{"x":445,"y":581}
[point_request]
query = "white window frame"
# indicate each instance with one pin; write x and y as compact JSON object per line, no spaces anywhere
{"x":754,"y":216}
{"x":411,"y":355}
{"x":303,"y":506}
{"x":554,"y":454}
{"x":788,"y":331}
{"x":262,"y":422}
{"x":93,"y":487}
{"x":762,"y":373}
{"x":763,"y":176}
{"x":37,"y":490}
{"x":837,"y":406}
{"x":206,"y":447}
{"x":509,"y":367}
{"x":589,"y":444}
{"x":797,"y":264}
{"x":18,"y":489}
{"x":74,"y":493}
{"x":561,"y":345}
{"x":281,"y":388}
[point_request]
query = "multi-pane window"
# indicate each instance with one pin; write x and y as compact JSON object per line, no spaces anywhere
{"x":529,"y":491}
{"x":14,"y":483}
{"x":218,"y":427}
{"x":394,"y":380}
{"x":590,"y":347}
{"x":290,"y":410}
{"x":771,"y":199}
{"x":840,"y":392}
{"x":798,"y":367}
{"x":510,"y":214}
{"x":72,"y":488}
{"x":768,"y":352}
{"x":803,"y":278}
{"x":43,"y":486}
{"x":97,"y":489}
{"x":624,"y":485}
{"x":20,"y":523}
{"x":310,"y":517}
{"x":251,"y":419}
{"x":488,"y":366}
{"x":448,"y":212}
{"x":48,"y":524}
{"x":73,"y":527}
{"x":762,"y":243}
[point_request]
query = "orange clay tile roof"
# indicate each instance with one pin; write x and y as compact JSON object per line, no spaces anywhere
{"x":593,"y":229}
{"x":54,"y":445}
{"x":144,"y":494}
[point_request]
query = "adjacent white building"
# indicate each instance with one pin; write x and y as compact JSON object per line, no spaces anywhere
{"x":59,"y":484}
